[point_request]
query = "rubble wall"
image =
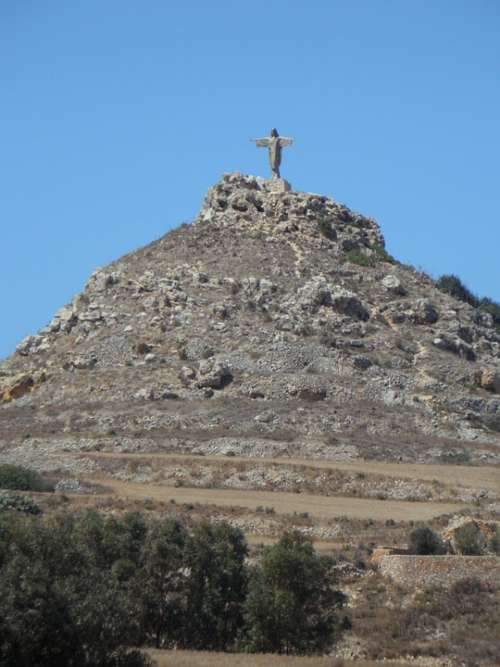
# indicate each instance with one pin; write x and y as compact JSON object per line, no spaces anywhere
{"x":439,"y":570}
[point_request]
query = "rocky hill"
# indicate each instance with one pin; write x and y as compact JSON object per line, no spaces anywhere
{"x":274,"y":325}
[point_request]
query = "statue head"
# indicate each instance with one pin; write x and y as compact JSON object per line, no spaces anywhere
{"x":274,"y":132}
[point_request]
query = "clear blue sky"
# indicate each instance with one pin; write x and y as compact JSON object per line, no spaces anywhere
{"x":116,"y":116}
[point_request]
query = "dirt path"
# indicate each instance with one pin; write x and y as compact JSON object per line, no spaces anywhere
{"x":167,"y":658}
{"x":471,"y":476}
{"x":286,"y":503}
{"x":323,"y":546}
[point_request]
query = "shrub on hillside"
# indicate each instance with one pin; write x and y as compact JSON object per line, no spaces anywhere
{"x":492,"y":307}
{"x":469,"y":541}
{"x":18,"y":478}
{"x":424,"y":541}
{"x":327,"y":230}
{"x":25,"y":504}
{"x":356,"y":256}
{"x":379,"y":254}
{"x":452,"y":285}
{"x":382,"y":254}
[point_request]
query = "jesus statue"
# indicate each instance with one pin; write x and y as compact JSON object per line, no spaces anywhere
{"x":274,"y":143}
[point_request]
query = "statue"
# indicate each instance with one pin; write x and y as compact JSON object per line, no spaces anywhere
{"x":274,"y":143}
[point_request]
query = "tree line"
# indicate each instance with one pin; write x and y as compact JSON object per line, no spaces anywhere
{"x":81,"y":590}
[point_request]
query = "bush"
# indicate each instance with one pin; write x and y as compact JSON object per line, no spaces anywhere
{"x":379,"y":254}
{"x":18,"y":478}
{"x":356,"y":256}
{"x":424,"y":541}
{"x":382,"y":254}
{"x":451,"y":284}
{"x":327,"y":230}
{"x":11,"y":501}
{"x":468,"y":540}
{"x":492,"y":307}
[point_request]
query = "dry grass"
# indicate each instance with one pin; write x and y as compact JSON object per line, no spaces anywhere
{"x":286,"y":503}
{"x":208,"y":659}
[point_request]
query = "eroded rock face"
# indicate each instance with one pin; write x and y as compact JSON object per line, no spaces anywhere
{"x":469,"y":535}
{"x":454,"y":344}
{"x":489,"y":379}
{"x":265,"y":305}
{"x":20,"y":384}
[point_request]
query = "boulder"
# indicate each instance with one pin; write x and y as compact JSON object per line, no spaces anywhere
{"x":489,"y":379}
{"x":307,"y":390}
{"x":450,"y":343}
{"x":32,"y":345}
{"x":393,"y":284}
{"x":469,"y":536}
{"x":84,"y":362}
{"x":361,"y":362}
{"x":213,"y":374}
{"x":348,"y":303}
{"x":424,"y":312}
{"x":65,"y":319}
{"x":314,"y":294}
{"x":187,"y":375}
{"x":101,"y":280}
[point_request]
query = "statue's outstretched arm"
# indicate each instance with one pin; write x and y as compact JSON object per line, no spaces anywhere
{"x":286,"y":141}
{"x":262,"y":143}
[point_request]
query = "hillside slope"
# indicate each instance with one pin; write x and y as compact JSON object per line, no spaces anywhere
{"x":275,"y":325}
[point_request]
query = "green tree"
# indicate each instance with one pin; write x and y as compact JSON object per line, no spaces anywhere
{"x":217,"y":586}
{"x":425,"y":542}
{"x":291,"y":604}
{"x":56,"y":607}
{"x":36,"y":628}
{"x":161,"y":583}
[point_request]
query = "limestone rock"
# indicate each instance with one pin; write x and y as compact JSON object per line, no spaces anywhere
{"x":361,"y":362}
{"x":450,"y":343}
{"x":84,"y":362}
{"x":187,"y":375}
{"x":489,"y":379}
{"x":101,"y":279}
{"x":348,"y":303}
{"x":32,"y":345}
{"x":213,"y":374}
{"x":393,"y":284}
{"x":307,"y":390}
{"x":314,"y":294}
{"x":20,"y":384}
{"x":468,"y":530}
{"x":424,"y":312}
{"x":65,"y":319}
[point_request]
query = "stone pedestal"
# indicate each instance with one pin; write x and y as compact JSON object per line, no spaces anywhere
{"x":277,"y":185}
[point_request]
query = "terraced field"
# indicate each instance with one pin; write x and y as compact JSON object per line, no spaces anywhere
{"x":318,"y":506}
{"x":471,"y":476}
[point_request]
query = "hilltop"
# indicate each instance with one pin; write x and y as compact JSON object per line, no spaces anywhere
{"x":276,"y":324}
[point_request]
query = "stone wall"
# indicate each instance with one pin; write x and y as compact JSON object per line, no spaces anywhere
{"x":439,"y":570}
